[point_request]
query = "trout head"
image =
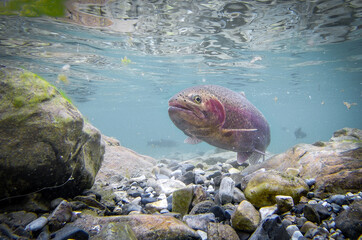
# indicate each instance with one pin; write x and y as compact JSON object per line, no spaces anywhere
{"x":194,"y":110}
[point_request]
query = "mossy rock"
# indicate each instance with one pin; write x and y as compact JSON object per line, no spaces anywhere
{"x":264,"y":186}
{"x":44,"y":141}
{"x":181,"y":200}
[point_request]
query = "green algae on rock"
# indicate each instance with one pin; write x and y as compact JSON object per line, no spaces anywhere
{"x":181,"y":200}
{"x":246,"y":217}
{"x":264,"y":186}
{"x":33,"y":8}
{"x":44,"y":140}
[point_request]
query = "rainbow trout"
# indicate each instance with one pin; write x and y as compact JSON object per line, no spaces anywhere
{"x":222,"y":118}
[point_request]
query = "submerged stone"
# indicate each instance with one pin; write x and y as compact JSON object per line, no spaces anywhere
{"x":181,"y":200}
{"x":45,"y":142}
{"x":263,"y":187}
{"x":246,"y":217}
{"x":145,"y":227}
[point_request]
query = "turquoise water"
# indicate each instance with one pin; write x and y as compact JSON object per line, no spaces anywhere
{"x":299,"y":77}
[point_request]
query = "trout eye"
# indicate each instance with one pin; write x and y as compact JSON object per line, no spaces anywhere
{"x":196,"y":99}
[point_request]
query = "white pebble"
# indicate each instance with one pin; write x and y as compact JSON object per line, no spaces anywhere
{"x":37,"y":224}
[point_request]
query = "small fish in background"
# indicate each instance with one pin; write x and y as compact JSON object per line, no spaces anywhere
{"x":349,"y":105}
{"x":322,"y":103}
{"x":162,"y":143}
{"x":299,"y":133}
{"x":276,"y":99}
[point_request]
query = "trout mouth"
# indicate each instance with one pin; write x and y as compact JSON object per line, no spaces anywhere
{"x":177,"y":107}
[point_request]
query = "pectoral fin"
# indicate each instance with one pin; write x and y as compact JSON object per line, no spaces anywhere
{"x":243,"y":156}
{"x":253,"y":157}
{"x":192,"y":140}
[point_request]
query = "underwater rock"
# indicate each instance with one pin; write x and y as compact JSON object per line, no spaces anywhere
{"x":335,"y":165}
{"x":199,"y":221}
{"x":203,"y":207}
{"x":264,"y":186}
{"x":45,"y":142}
{"x":168,"y":186}
{"x":70,"y":232}
{"x":181,"y":200}
{"x":246,"y":217}
{"x":226,"y":191}
{"x":284,"y":203}
{"x":145,"y":227}
{"x":60,"y":216}
{"x":218,"y":231}
{"x":121,"y":162}
{"x":270,"y":228}
{"x":350,"y":220}
{"x":114,"y":231}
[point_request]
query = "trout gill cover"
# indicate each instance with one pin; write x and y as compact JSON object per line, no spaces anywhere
{"x":222,"y":118}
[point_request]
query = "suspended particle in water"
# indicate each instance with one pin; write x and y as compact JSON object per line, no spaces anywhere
{"x":125,"y":60}
{"x":62,"y":77}
{"x":276,"y":99}
{"x":66,"y":67}
{"x":256,"y":58}
{"x":349,"y":105}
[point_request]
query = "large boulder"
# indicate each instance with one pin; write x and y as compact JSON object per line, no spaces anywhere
{"x":335,"y":165}
{"x":45,"y":144}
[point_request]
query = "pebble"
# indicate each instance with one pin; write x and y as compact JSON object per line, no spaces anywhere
{"x":270,"y":228}
{"x":203,"y":207}
{"x":61,"y":215}
{"x":199,"y":221}
{"x":246,"y":217}
{"x":188,"y":178}
{"x":310,"y":182}
{"x":297,"y":235}
{"x":291,"y":229}
{"x":69,"y":232}
{"x":307,"y":226}
{"x":218,"y":212}
{"x":202,"y":234}
{"x":284,"y":203}
{"x":226,"y":192}
{"x":311,"y":213}
{"x":338,"y":199}
{"x":238,"y":195}
{"x":267,"y":211}
{"x":37,"y":224}
{"x":176,"y":174}
{"x":187,"y":167}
